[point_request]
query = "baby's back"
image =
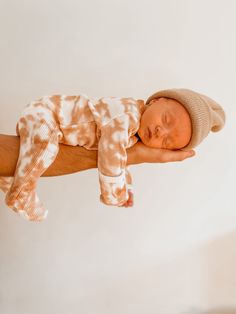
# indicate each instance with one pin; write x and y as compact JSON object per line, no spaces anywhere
{"x":80,"y":117}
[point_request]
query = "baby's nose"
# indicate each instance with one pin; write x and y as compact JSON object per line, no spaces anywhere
{"x":160,"y":131}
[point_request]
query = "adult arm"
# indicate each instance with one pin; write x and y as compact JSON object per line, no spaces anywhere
{"x":72,"y":159}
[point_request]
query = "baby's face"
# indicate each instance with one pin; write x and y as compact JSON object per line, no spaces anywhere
{"x":166,"y":124}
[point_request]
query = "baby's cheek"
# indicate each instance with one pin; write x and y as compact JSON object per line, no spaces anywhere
{"x":155,"y":144}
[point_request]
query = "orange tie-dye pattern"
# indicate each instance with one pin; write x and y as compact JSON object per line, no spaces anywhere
{"x":105,"y":124}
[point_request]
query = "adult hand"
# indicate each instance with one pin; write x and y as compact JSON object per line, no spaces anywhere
{"x":140,"y":153}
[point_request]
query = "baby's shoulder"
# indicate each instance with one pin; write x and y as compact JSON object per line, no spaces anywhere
{"x":121,"y":105}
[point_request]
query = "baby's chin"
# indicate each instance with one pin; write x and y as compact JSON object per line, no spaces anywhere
{"x":152,"y":145}
{"x":143,"y":138}
{"x":148,"y":143}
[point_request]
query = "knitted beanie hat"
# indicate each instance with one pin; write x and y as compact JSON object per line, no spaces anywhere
{"x":206,"y":115}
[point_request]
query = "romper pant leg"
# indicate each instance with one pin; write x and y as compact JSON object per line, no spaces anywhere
{"x":39,"y":146}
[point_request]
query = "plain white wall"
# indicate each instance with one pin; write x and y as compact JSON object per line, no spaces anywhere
{"x":172,"y":253}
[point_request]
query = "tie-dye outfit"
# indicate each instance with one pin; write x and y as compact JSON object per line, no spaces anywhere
{"x":106,"y":124}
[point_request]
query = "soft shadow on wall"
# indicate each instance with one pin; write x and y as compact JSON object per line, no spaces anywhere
{"x":219,"y":256}
{"x":212,"y":311}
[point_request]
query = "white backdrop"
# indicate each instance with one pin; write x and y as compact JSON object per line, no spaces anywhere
{"x":172,"y":253}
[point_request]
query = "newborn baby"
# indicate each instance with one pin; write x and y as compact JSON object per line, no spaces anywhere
{"x":170,"y":119}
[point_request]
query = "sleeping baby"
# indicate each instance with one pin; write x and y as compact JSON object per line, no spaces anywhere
{"x":169,"y":119}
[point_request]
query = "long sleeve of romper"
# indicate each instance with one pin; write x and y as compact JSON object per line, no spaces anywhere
{"x":114,"y":177}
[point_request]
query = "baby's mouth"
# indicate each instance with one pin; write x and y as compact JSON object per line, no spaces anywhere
{"x":149,"y":133}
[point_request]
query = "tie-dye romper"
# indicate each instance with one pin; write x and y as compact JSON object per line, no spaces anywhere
{"x":106,"y":124}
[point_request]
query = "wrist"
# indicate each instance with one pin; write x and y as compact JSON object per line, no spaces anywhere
{"x":133,"y":155}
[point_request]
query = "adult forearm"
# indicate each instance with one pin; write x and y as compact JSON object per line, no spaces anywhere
{"x":69,"y":159}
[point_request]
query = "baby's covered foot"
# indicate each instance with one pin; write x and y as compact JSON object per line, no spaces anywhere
{"x":5,"y":183}
{"x":28,"y":206}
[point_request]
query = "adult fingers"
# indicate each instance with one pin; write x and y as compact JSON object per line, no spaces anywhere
{"x":176,"y":155}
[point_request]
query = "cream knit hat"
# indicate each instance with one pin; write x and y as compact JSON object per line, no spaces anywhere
{"x":206,"y":115}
